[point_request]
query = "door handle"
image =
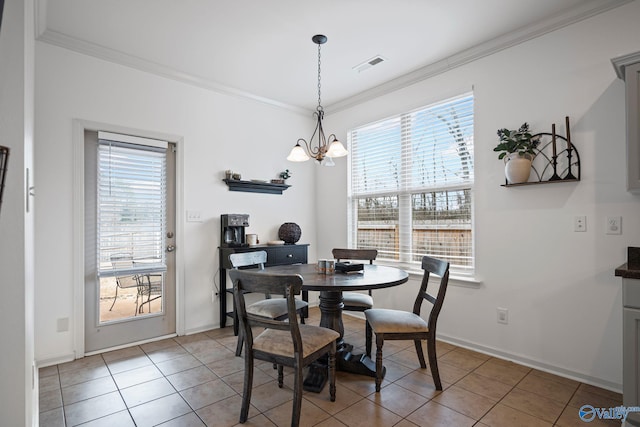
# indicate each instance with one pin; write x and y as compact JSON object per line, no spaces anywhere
{"x":171,"y":248}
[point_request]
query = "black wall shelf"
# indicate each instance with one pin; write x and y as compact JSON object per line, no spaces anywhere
{"x":255,"y":187}
{"x":567,"y":167}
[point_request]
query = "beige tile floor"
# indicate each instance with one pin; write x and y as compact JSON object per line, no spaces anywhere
{"x":197,"y":381}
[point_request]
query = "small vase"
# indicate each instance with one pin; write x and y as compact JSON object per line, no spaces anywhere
{"x":517,"y":168}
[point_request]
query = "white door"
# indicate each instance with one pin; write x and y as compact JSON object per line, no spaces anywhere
{"x":129,"y":239}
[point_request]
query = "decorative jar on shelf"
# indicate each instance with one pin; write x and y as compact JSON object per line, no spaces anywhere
{"x":517,"y":168}
{"x":516,"y":147}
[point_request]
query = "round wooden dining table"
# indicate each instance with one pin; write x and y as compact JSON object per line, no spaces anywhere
{"x":331,"y":287}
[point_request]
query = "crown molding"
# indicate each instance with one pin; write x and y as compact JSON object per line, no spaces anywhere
{"x":621,"y":62}
{"x":568,"y":17}
{"x":101,"y":52}
{"x":583,"y":11}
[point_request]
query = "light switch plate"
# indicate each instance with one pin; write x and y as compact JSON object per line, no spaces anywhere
{"x":194,"y":216}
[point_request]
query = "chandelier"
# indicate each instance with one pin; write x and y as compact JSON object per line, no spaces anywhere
{"x":325,"y":149}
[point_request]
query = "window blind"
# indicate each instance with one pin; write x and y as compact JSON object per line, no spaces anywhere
{"x":411,"y":180}
{"x":131,"y":198}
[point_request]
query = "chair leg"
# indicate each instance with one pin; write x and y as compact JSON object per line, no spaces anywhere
{"x":114,"y":298}
{"x":297,"y":394}
{"x":379,"y":343}
{"x":302,"y":316}
{"x":247,"y":387}
{"x":332,"y":373}
{"x":418,"y":344}
{"x":240,"y":343}
{"x":305,"y":298}
{"x":433,"y":362}
{"x":368,"y":336}
{"x":236,"y":328}
{"x":280,"y":376}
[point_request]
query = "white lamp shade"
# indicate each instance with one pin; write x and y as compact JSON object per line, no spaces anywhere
{"x":297,"y":154}
{"x":336,"y":149}
{"x":327,"y":161}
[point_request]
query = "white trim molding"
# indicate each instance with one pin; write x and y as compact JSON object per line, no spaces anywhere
{"x":79,"y":127}
{"x":584,"y":10}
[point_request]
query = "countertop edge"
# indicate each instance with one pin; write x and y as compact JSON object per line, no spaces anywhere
{"x":624,"y":272}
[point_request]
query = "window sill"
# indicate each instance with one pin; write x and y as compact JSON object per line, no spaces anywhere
{"x":467,"y":281}
{"x":463,"y":281}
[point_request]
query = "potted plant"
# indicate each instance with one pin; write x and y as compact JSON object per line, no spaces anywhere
{"x":516,"y":147}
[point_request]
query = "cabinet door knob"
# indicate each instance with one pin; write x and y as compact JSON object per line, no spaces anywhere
{"x":289,"y":255}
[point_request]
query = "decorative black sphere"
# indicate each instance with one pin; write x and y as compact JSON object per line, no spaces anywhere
{"x":289,"y":232}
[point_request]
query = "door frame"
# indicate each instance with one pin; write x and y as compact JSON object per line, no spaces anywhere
{"x":79,"y":127}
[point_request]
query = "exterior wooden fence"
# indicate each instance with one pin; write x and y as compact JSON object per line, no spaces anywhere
{"x":453,"y":242}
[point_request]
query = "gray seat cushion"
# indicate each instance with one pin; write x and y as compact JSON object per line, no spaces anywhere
{"x":386,"y":321}
{"x":279,"y":342}
{"x":273,"y":308}
{"x":356,"y":299}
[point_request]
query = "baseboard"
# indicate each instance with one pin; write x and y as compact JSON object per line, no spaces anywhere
{"x":533,"y":363}
{"x":522,"y":360}
{"x":56,"y":360}
{"x":204,"y":328}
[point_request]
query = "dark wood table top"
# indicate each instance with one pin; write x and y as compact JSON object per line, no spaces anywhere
{"x":373,"y":277}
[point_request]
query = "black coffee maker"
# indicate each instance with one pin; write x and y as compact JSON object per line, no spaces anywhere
{"x":232,"y":230}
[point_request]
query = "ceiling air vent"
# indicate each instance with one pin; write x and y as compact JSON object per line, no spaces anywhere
{"x":369,"y":63}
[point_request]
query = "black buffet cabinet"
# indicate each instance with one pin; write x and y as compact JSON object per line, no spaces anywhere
{"x":276,"y":255}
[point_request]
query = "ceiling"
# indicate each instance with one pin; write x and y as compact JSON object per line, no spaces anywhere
{"x":263,"y":49}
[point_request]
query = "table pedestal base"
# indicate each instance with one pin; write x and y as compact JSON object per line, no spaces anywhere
{"x":359,"y":364}
{"x":346,"y":361}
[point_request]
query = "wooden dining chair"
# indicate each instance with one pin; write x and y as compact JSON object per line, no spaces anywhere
{"x":356,"y":301}
{"x":273,"y":308}
{"x":283,"y":342}
{"x":404,"y":325}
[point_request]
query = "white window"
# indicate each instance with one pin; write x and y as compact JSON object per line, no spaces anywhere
{"x":411,"y":185}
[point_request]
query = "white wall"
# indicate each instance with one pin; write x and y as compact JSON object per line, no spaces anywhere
{"x":219,"y":132}
{"x":564,"y":302}
{"x":17,"y":396}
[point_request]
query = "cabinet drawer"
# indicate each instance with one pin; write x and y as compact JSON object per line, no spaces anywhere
{"x":289,"y":255}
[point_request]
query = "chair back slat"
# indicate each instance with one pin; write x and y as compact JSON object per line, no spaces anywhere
{"x":247,"y":259}
{"x":355,"y":254}
{"x":124,"y":261}
{"x":439,"y":268}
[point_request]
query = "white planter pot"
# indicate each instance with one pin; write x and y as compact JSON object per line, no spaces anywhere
{"x":517,"y":168}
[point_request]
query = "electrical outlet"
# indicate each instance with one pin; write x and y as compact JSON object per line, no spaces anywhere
{"x":580,"y":223}
{"x":503,"y":315}
{"x":613,"y":225}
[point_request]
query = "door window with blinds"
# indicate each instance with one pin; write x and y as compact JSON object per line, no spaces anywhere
{"x":131,"y":225}
{"x":411,"y":185}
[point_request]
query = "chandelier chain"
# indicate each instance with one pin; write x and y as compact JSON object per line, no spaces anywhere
{"x":319,"y":85}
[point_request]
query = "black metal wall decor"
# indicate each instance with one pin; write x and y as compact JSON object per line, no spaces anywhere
{"x":4,"y":158}
{"x":556,"y":159}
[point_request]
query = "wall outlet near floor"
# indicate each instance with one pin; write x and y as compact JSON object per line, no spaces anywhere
{"x":502,"y":315}
{"x":613,"y":225}
{"x":580,"y":223}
